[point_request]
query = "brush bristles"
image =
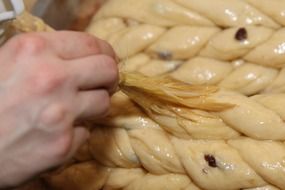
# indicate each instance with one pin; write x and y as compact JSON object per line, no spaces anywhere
{"x":148,"y":91}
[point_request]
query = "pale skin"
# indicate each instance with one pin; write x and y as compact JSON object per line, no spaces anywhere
{"x":48,"y":81}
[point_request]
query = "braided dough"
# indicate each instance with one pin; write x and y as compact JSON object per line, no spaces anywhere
{"x":185,"y":42}
{"x":244,"y":77}
{"x":169,"y":36}
{"x":237,"y":45}
{"x":168,"y":49}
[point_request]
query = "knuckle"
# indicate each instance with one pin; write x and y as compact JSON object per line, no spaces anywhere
{"x":107,"y":46}
{"x":97,"y":45}
{"x":54,"y":115}
{"x":90,"y":42}
{"x":29,"y":43}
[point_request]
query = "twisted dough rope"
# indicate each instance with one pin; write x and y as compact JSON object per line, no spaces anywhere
{"x":153,"y":39}
{"x":185,"y":42}
{"x":171,"y":163}
{"x":246,"y":78}
{"x":211,"y":164}
{"x":224,"y":13}
{"x":81,"y":177}
{"x":258,"y":117}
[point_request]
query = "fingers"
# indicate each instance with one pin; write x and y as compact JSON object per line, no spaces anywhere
{"x":95,"y":72}
{"x":72,"y":45}
{"x":93,"y":103}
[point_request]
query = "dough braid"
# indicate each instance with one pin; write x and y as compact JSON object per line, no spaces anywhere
{"x":246,"y":78}
{"x":172,"y":163}
{"x":258,"y":117}
{"x":223,"y":13}
{"x":184,"y":41}
{"x":81,"y":177}
{"x":240,"y":76}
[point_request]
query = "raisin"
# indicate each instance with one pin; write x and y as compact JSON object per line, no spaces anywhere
{"x":241,"y":34}
{"x":165,"y":55}
{"x":211,"y":160}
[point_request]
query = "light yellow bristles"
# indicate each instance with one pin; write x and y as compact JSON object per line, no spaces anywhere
{"x":164,"y":89}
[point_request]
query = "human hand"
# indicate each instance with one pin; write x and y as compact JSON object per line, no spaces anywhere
{"x":47,"y":82}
